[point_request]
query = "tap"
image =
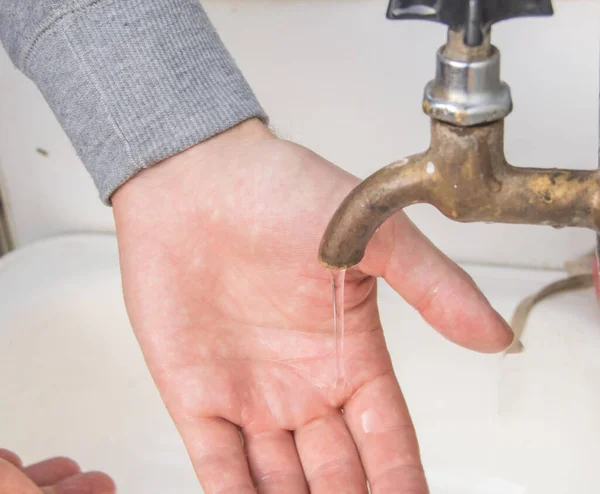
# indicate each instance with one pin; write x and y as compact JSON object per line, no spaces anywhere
{"x":464,"y":173}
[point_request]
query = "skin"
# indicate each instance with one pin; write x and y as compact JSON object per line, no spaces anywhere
{"x":53,"y":476}
{"x":233,"y":313}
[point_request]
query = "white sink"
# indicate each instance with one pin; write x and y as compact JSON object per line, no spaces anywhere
{"x":73,"y":382}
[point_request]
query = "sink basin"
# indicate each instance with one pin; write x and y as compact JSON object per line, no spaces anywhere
{"x":74,"y":382}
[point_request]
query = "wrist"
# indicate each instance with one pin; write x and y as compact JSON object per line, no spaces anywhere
{"x":167,"y":182}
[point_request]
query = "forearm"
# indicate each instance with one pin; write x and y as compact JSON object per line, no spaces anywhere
{"x":132,"y":82}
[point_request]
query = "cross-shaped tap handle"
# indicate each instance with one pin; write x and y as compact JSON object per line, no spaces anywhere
{"x":473,"y":16}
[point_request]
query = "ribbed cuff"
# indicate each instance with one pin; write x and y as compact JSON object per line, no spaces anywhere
{"x":135,"y":81}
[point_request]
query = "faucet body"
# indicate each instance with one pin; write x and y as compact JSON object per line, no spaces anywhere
{"x":464,"y":173}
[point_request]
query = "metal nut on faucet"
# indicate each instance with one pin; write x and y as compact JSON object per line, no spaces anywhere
{"x":467,"y":93}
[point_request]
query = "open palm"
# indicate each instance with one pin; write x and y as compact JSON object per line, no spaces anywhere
{"x":234,"y":315}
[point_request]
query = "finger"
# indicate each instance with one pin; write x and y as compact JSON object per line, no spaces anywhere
{"x":443,"y":293}
{"x":380,"y":424}
{"x":11,"y":457}
{"x":83,"y":483}
{"x":51,"y":471}
{"x":274,"y":462}
{"x":217,"y":453}
{"x":13,"y":480}
{"x":329,"y":456}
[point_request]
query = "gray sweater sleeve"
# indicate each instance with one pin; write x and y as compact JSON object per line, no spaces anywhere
{"x":131,"y":81}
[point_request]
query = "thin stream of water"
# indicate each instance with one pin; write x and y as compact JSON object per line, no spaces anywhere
{"x":338,"y":278}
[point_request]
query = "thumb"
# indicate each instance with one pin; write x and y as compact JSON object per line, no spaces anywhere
{"x":444,"y":294}
{"x":12,"y":479}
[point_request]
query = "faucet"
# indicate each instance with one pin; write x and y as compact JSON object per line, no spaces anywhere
{"x":464,"y":173}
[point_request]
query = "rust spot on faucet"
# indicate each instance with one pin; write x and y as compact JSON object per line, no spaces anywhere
{"x":471,"y":181}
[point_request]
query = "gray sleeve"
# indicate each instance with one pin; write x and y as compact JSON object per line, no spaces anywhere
{"x":131,"y":81}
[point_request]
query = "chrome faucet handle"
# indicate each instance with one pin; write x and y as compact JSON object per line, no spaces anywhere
{"x":474,"y":17}
{"x":467,"y":89}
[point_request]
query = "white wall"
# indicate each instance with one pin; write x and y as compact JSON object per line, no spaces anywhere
{"x":336,"y":76}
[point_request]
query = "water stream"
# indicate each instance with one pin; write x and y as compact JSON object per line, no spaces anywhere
{"x":338,"y":278}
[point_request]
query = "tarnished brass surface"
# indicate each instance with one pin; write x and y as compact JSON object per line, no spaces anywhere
{"x":465,"y":175}
{"x":455,"y":48}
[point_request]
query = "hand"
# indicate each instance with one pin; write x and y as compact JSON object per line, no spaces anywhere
{"x":233,"y":313}
{"x":54,"y":476}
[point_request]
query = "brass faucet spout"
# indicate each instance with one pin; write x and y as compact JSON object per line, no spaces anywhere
{"x":377,"y":198}
{"x":465,"y":175}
